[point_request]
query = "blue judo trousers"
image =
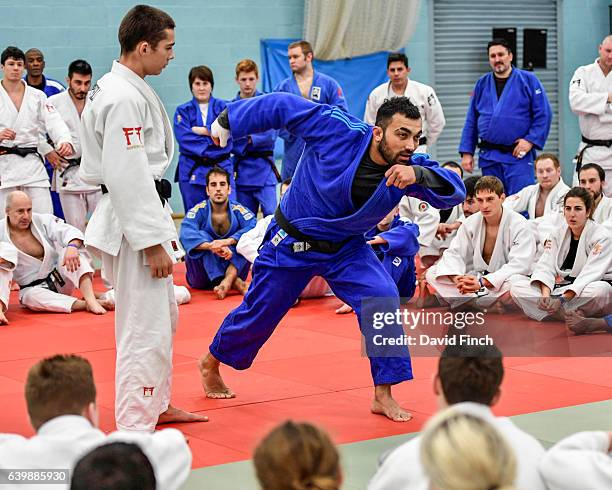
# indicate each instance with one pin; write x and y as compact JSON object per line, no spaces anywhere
{"x":319,"y":204}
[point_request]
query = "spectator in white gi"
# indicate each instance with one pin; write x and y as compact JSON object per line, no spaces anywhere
{"x":492,"y":249}
{"x":574,"y":268}
{"x":50,"y":263}
{"x":469,"y":380}
{"x":590,"y":98}
{"x":421,"y":95}
{"x":61,"y":401}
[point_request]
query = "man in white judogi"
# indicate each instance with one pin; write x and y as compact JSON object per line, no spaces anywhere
{"x":421,"y":95}
{"x":492,"y":248}
{"x":61,"y":401}
{"x":77,"y":197}
{"x":591,"y":177}
{"x":25,"y":116}
{"x":49,"y":262}
{"x":468,"y":379}
{"x":581,"y":460}
{"x":422,"y":214}
{"x":590,"y":98}
{"x":127,"y":146}
{"x":543,"y":202}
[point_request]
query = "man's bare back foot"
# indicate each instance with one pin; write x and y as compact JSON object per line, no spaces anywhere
{"x":385,"y":404}
{"x":3,"y":319}
{"x":223,"y":288}
{"x":95,"y":307}
{"x":176,"y":415}
{"x":212,"y":382}
{"x":344,"y":309}
{"x":241,"y":286}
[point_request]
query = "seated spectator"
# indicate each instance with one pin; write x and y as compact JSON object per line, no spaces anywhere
{"x":593,"y":178}
{"x":114,"y":466}
{"x":395,"y":243}
{"x":297,"y":456}
{"x":469,"y":379}
{"x":579,"y":324}
{"x":449,"y":222}
{"x":50,"y":262}
{"x":61,"y":401}
{"x":470,"y":205}
{"x":256,"y":172}
{"x":197,"y":152}
{"x":581,"y":461}
{"x":250,"y":241}
{"x":574,"y":269}
{"x":209,"y":233}
{"x":463,"y":451}
{"x":492,"y":249}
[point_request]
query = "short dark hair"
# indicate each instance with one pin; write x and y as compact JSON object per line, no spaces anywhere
{"x":203,"y":73}
{"x":583,"y":194}
{"x":499,"y":41}
{"x":219,"y":171}
{"x":593,"y":166}
{"x":452,"y":164}
{"x":79,"y":66}
{"x":12,"y":52}
{"x":470,"y":185}
{"x":489,"y":183}
{"x":114,"y":466}
{"x":470,"y":373}
{"x":59,"y":385}
{"x":394,"y":57}
{"x":143,"y":23}
{"x":396,"y":105}
{"x":305,"y":45}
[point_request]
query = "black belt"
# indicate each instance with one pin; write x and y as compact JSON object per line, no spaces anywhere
{"x":51,"y":280}
{"x":74,"y":162}
{"x":206,"y":162}
{"x":267,"y":155}
{"x":487,"y":145}
{"x":22,"y":152}
{"x":163,"y":188}
{"x":589,"y":144}
{"x":306,"y":243}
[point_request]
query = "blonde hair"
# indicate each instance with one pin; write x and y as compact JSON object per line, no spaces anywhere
{"x":297,"y":456}
{"x":460,"y":451}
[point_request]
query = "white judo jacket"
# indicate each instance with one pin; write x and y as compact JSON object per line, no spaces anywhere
{"x":127,"y":142}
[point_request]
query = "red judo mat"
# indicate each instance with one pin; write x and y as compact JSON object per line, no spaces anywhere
{"x":311,"y":369}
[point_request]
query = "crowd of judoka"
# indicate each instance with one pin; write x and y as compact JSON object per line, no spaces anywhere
{"x":544,"y":249}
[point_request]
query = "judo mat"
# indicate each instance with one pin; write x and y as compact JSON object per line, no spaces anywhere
{"x":311,"y":369}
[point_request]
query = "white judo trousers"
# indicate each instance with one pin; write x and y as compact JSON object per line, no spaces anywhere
{"x":77,"y":206}
{"x":143,"y":334}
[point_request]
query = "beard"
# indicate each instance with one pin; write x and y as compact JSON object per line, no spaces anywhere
{"x":77,"y":95}
{"x":388,"y":155}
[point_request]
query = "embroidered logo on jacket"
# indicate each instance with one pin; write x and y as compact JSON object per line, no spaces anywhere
{"x":147,"y":390}
{"x":130,"y":137}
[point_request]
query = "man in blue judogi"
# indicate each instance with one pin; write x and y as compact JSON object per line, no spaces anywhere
{"x":350,"y":176}
{"x":197,"y":153}
{"x":311,"y":85}
{"x":256,"y":173}
{"x":509,"y":112}
{"x":209,"y":234}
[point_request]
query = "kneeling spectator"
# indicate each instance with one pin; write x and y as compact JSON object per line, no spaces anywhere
{"x":209,"y":233}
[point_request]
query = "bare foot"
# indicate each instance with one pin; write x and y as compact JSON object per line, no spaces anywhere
{"x":94,"y":307}
{"x":107,"y":304}
{"x":213,"y":384}
{"x":385,"y":404}
{"x":577,"y":323}
{"x":240,"y":286}
{"x":176,"y":415}
{"x":14,"y":286}
{"x":3,"y":319}
{"x":344,"y":309}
